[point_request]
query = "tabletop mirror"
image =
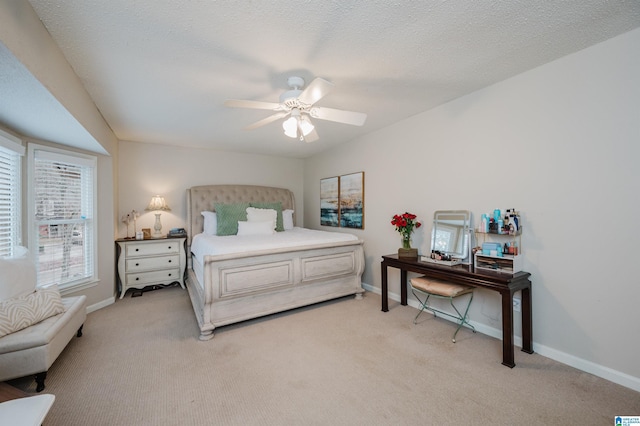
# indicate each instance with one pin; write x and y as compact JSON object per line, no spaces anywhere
{"x":450,"y":236}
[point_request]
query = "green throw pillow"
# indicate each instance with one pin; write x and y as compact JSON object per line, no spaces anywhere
{"x":275,"y":206}
{"x":228,"y":216}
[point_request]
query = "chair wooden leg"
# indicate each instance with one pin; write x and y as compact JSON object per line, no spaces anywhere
{"x":40,"y":377}
{"x":79,"y":333}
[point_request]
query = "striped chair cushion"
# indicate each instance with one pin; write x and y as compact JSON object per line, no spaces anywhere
{"x":23,"y":311}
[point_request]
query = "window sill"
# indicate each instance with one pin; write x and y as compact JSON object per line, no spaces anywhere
{"x":74,"y":288}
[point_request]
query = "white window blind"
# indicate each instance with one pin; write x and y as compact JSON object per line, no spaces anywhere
{"x":10,"y":190}
{"x":63,"y":197}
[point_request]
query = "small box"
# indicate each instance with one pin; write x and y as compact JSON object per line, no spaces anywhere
{"x":489,"y":247}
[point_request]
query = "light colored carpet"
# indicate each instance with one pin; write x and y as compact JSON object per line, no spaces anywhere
{"x":337,"y":363}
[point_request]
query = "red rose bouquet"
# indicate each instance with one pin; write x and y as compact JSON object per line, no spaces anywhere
{"x":404,"y":224}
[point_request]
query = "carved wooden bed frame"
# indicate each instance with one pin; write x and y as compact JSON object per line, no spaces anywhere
{"x":248,"y":285}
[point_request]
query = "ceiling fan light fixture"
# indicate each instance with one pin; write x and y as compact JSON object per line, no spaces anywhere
{"x":296,"y":106}
{"x":290,"y":126}
{"x":305,"y":125}
{"x":297,"y":122}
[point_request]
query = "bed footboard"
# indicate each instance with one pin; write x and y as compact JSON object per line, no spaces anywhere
{"x":238,"y":288}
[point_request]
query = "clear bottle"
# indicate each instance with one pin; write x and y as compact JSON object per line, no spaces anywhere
{"x":485,"y":223}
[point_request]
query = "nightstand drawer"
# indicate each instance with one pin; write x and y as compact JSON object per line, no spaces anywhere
{"x":151,"y":263}
{"x":166,"y":276}
{"x":152,"y":249}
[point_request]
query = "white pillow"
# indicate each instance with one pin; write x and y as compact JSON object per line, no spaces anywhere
{"x":287,"y":219}
{"x":266,"y":227}
{"x":17,"y":275}
{"x":210,"y":223}
{"x":261,"y":215}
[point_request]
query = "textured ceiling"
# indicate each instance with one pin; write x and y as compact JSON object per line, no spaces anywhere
{"x":159,"y":71}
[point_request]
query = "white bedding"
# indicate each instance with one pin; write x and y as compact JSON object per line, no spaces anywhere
{"x":203,"y":245}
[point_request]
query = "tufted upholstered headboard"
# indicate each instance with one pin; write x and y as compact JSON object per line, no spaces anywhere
{"x":202,"y":198}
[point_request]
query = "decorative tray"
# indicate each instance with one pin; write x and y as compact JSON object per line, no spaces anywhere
{"x":452,"y":262}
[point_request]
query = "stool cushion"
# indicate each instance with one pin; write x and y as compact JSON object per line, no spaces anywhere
{"x":440,"y":288}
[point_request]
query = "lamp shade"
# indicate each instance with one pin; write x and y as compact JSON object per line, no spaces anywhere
{"x":305,"y":125}
{"x":295,"y":123}
{"x":290,"y":127}
{"x":157,"y":203}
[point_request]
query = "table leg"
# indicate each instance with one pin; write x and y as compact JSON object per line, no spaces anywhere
{"x":385,"y":290}
{"x":507,"y":329}
{"x":527,"y":327}
{"x":403,"y":287}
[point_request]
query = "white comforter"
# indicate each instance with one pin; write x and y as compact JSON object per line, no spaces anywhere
{"x":203,"y":245}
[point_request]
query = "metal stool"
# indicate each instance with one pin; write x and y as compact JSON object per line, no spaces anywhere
{"x":442,"y":290}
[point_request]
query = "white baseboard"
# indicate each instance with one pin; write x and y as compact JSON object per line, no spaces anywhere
{"x":101,"y":304}
{"x":614,"y":376}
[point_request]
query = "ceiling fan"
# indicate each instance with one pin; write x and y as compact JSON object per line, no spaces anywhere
{"x":298,"y":105}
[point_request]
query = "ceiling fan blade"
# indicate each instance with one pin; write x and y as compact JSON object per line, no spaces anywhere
{"x":315,"y":91}
{"x":267,"y":120}
{"x":338,"y":115}
{"x":312,"y":136}
{"x":236,"y":103}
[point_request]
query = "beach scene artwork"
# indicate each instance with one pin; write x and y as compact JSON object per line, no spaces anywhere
{"x":351,"y":200}
{"x":329,"y":192}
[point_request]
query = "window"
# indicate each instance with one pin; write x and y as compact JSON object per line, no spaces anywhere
{"x":10,"y":212}
{"x":62,"y":216}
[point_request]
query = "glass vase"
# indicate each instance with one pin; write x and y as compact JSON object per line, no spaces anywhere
{"x":406,"y":242}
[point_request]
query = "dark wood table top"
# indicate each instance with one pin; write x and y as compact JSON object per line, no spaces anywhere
{"x":8,"y":392}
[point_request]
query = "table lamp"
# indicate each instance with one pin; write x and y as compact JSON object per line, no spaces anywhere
{"x":157,"y":204}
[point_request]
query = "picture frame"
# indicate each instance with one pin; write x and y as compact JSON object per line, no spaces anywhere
{"x":146,"y":233}
{"x":342,"y":201}
{"x":351,"y":200}
{"x":329,"y":201}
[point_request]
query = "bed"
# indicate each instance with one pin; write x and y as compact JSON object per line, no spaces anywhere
{"x":245,"y":283}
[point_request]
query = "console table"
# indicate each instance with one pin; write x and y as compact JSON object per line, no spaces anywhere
{"x":505,"y":284}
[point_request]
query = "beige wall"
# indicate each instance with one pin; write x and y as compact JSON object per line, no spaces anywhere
{"x":561,"y":144}
{"x":148,"y":169}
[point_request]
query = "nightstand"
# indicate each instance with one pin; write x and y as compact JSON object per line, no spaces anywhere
{"x":142,"y":263}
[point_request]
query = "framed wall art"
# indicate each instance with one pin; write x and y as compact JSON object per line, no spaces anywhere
{"x":329,"y":193}
{"x":351,"y":196}
{"x":342,"y":201}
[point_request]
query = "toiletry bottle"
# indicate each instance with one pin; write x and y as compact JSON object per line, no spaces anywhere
{"x":514,"y":220}
{"x":500,"y":226}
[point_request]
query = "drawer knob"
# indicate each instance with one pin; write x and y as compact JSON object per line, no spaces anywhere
{"x":137,"y":249}
{"x":169,"y":260}
{"x":137,"y":278}
{"x":169,"y":247}
{"x":169,"y":274}
{"x":137,"y":264}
